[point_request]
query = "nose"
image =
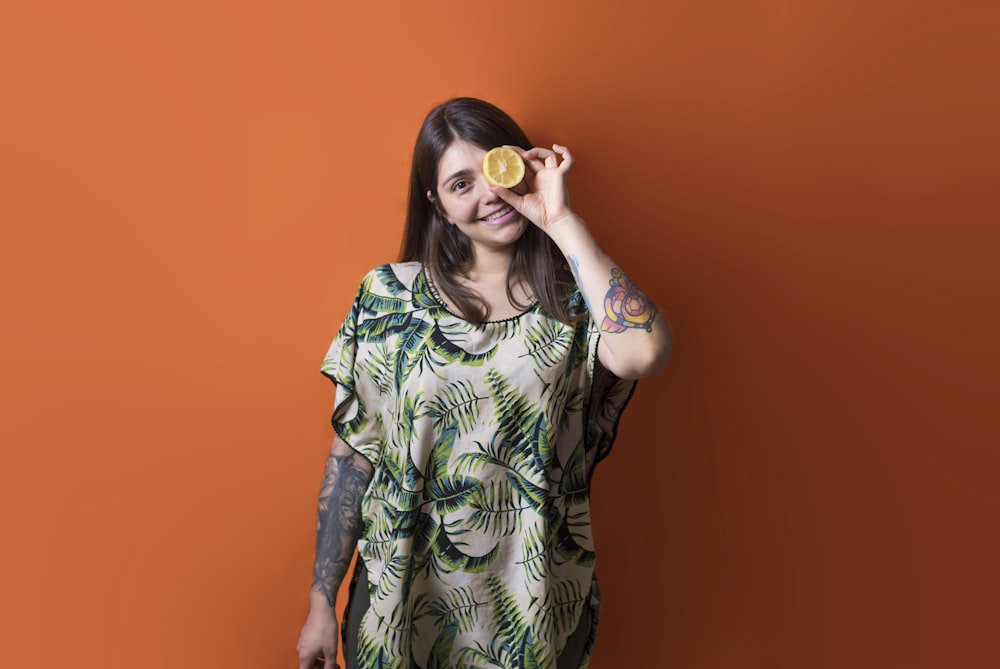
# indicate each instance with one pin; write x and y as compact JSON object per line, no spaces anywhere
{"x":487,"y":196}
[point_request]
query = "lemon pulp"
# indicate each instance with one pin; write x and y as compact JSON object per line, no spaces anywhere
{"x":503,"y":167}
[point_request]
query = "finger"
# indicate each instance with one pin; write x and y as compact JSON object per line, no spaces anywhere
{"x":534,"y":159}
{"x":330,"y":653}
{"x":307,"y":658}
{"x":509,"y":196}
{"x":536,"y":153}
{"x":567,"y":157}
{"x":526,"y":154}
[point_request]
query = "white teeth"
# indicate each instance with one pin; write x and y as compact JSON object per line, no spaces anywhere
{"x":499,"y":214}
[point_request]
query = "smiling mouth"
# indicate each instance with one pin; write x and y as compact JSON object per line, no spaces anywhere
{"x":498,"y":214}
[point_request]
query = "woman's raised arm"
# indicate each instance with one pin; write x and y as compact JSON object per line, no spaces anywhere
{"x":636,"y":337}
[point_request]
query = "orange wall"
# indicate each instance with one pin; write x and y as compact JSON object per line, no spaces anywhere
{"x":190,"y":192}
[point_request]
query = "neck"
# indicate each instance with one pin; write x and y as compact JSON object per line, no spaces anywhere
{"x":490,"y":263}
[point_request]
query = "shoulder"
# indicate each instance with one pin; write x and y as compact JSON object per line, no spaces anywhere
{"x":391,"y":278}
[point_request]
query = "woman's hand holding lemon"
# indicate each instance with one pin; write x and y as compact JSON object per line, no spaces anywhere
{"x":541,"y":197}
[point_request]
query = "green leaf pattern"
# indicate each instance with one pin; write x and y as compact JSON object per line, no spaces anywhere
{"x":477,"y":535}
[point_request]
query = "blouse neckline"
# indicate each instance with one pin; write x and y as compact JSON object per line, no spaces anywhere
{"x":444,"y":305}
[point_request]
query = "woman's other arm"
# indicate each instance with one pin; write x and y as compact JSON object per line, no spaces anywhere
{"x":338,"y":528}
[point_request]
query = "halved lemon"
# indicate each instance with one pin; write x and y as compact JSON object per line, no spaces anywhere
{"x":503,"y":167}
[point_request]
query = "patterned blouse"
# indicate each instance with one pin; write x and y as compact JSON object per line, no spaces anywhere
{"x":483,"y":439}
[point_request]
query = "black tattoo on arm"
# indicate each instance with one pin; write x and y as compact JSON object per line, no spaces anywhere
{"x":339,"y":523}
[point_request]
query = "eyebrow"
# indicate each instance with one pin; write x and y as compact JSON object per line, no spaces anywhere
{"x":460,"y":173}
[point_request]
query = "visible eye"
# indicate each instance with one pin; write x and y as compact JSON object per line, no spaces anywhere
{"x":460,"y":185}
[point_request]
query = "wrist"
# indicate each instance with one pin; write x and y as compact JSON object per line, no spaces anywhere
{"x":320,"y":605}
{"x":564,"y":228}
{"x":570,"y":234}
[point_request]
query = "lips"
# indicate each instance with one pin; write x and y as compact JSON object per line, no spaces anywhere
{"x":500,"y":216}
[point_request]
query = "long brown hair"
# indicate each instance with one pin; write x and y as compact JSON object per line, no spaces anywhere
{"x":443,"y":249}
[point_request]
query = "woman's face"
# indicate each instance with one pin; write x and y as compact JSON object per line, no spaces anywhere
{"x":469,"y":204}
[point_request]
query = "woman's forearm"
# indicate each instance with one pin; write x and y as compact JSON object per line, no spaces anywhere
{"x":636,"y":338}
{"x":339,"y":523}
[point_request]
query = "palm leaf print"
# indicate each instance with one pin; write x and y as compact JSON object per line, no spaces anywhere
{"x":456,"y":404}
{"x":572,"y":405}
{"x":458,"y":607}
{"x":441,"y":650}
{"x":515,"y":636}
{"x":574,"y":486}
{"x":393,"y":572}
{"x":374,"y":305}
{"x":423,"y":295}
{"x":449,"y":351}
{"x":330,"y":367}
{"x":547,"y":342}
{"x":513,"y":640}
{"x":450,"y":494}
{"x":441,"y":453}
{"x":377,"y":329}
{"x":567,"y":546}
{"x":529,"y":658}
{"x":424,"y":346}
{"x":423,"y":298}
{"x":562,"y":605}
{"x":387,"y":277}
{"x":381,"y":530}
{"x":399,"y":480}
{"x":496,"y":509}
{"x":359,"y":417}
{"x":454,"y":329}
{"x":344,"y":358}
{"x":480,"y":657}
{"x":373,"y":653}
{"x":502,"y":330}
{"x":534,"y":494}
{"x":529,"y":491}
{"x":376,"y":366}
{"x":402,"y":433}
{"x":535,"y":554}
{"x":410,"y":350}
{"x":521,"y":426}
{"x":508,"y":612}
{"x":448,"y":556}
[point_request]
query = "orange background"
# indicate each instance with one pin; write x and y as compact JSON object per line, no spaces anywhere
{"x":191,"y":191}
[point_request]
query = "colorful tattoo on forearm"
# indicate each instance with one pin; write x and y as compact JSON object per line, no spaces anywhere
{"x":625,"y":306}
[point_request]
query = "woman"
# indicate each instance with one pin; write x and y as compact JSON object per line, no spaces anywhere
{"x":478,"y":382}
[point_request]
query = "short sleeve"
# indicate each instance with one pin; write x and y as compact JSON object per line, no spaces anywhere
{"x":357,"y":414}
{"x":609,"y":395}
